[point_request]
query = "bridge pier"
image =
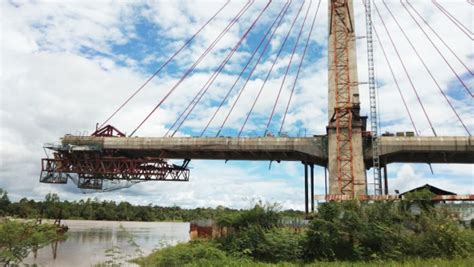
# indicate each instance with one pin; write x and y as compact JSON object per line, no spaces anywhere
{"x":385,"y":179}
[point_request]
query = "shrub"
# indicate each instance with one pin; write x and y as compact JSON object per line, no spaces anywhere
{"x":439,"y":236}
{"x":336,"y":232}
{"x":263,"y":215}
{"x":388,"y":230}
{"x":244,"y":243}
{"x":194,"y":252}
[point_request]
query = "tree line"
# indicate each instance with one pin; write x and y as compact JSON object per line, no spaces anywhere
{"x":94,"y":209}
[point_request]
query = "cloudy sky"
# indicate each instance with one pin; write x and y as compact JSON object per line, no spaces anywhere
{"x":66,"y":65}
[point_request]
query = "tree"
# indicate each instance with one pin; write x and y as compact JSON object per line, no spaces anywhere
{"x":18,"y":239}
{"x":52,"y":205}
{"x":4,"y":202}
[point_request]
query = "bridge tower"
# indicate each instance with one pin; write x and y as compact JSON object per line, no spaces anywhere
{"x":346,"y":168}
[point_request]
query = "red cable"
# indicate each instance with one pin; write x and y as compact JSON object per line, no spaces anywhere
{"x":164,"y":64}
{"x":424,"y":64}
{"x":283,"y":11}
{"x":393,"y":74}
{"x":453,"y":19}
{"x":234,"y":20}
{"x":270,"y":71}
{"x":299,"y":68}
{"x":406,"y":71}
{"x":250,"y":75}
{"x":288,"y":68}
{"x":441,"y":39}
{"x":216,"y":73}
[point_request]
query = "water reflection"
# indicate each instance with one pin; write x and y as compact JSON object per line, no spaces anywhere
{"x":92,"y":242}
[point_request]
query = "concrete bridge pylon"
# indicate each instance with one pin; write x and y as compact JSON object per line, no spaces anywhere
{"x":346,"y":168}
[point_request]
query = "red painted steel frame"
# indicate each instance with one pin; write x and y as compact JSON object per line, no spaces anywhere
{"x":108,"y":131}
{"x":341,"y":28}
{"x":97,"y":166}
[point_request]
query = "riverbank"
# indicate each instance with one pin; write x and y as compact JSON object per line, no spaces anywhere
{"x":340,"y":234}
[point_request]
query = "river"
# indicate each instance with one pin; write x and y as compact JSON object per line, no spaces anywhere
{"x":91,"y":242}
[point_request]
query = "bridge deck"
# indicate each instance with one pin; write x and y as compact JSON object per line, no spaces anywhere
{"x":441,"y":149}
{"x":312,"y":149}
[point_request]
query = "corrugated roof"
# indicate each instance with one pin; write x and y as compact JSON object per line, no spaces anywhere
{"x":435,"y":190}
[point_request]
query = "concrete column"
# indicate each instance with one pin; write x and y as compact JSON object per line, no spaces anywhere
{"x":325,"y":182}
{"x":306,"y":187}
{"x":385,"y":179}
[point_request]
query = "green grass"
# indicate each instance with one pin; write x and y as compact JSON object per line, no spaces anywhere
{"x":232,"y":262}
{"x":205,"y":253}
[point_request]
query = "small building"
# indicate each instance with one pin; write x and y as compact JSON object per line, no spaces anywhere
{"x":433,"y":189}
{"x":462,"y":205}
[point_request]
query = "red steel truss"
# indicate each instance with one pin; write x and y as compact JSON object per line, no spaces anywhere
{"x":341,"y":28}
{"x":93,"y":167}
{"x":108,"y":131}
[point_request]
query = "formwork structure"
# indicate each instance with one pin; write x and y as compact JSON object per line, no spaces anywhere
{"x":93,"y":165}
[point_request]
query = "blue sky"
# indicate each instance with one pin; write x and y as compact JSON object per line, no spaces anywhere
{"x":66,"y":65}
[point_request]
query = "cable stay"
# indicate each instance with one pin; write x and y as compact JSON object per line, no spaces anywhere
{"x":249,"y":76}
{"x":406,"y":71}
{"x":288,"y":68}
{"x":454,"y":20}
{"x":425,"y":66}
{"x":213,"y":77}
{"x":299,"y":68}
{"x":278,"y":18}
{"x":163,"y":65}
{"x":204,"y":54}
{"x":271,"y":69}
{"x":439,"y":52}
{"x":440,"y":38}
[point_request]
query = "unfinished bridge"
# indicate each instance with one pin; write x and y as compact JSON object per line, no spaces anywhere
{"x":348,"y":149}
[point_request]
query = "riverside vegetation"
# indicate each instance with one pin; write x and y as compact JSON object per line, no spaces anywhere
{"x":18,"y":238}
{"x":340,"y":234}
